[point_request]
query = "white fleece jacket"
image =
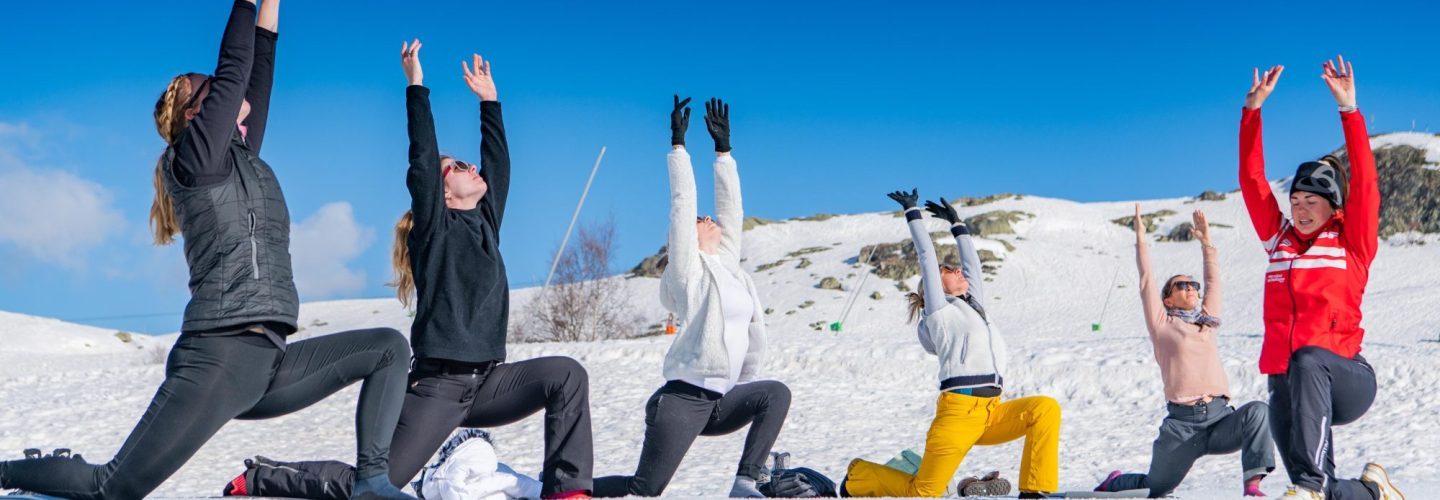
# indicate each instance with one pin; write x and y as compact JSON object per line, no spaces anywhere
{"x":688,"y":288}
{"x":971,"y":351}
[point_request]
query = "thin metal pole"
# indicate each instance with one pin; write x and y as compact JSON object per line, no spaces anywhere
{"x":573,"y":218}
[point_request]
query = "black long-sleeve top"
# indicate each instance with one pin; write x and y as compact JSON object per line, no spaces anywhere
{"x":245,"y":72}
{"x":463,"y":296}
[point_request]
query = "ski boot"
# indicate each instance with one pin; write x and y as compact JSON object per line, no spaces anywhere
{"x":991,"y":485}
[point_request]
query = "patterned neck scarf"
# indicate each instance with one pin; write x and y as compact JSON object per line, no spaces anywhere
{"x":1194,"y":316}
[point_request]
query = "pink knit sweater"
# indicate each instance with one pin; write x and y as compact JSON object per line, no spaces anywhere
{"x":1187,"y":353}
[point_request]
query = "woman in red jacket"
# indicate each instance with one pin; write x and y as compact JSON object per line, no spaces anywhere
{"x":1319,"y":264}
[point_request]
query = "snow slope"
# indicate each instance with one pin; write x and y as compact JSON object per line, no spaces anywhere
{"x":867,"y":391}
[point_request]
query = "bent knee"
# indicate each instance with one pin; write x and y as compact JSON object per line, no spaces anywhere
{"x":1046,"y":407}
{"x":389,"y":340}
{"x":779,"y":394}
{"x":1255,"y":410}
{"x":565,"y":372}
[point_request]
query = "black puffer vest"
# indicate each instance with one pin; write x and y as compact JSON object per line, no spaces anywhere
{"x":237,"y":244}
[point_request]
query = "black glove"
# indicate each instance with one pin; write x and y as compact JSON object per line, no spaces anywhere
{"x":942,"y":210}
{"x":906,"y":200}
{"x":679,"y":121}
{"x":717,"y":119}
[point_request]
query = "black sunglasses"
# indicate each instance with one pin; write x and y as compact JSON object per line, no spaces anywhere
{"x":1185,"y":285}
{"x":197,"y":91}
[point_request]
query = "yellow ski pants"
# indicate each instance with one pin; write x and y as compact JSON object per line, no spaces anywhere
{"x":962,"y":422}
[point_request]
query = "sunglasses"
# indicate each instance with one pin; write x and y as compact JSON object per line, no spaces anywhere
{"x":458,"y":166}
{"x":1184,"y":285}
{"x":198,"y":90}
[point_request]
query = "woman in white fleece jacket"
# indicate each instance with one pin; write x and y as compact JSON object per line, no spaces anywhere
{"x":954,"y":326}
{"x":712,"y":364}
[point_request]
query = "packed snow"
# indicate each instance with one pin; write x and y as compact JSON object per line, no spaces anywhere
{"x":867,"y":391}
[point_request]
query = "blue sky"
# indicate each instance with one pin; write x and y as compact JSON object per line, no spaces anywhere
{"x":833,"y":104}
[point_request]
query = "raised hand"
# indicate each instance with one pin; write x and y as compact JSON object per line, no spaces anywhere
{"x":479,"y":79}
{"x":942,"y":210}
{"x":906,"y":200}
{"x":410,"y":61}
{"x":1139,"y":224}
{"x":1202,"y":227}
{"x":1339,"y":75}
{"x":717,"y":120}
{"x":1261,"y":85}
{"x":679,"y":121}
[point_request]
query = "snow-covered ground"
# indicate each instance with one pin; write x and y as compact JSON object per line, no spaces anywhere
{"x":867,"y":391}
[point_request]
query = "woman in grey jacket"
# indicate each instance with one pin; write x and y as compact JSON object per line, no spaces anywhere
{"x":955,"y":328}
{"x":232,"y":360}
{"x":711,"y":367}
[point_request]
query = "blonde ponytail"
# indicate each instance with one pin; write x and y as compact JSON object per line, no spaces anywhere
{"x":169,"y":122}
{"x":400,"y":260}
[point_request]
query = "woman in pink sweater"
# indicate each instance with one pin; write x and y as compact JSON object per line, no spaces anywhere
{"x":1200,"y":420}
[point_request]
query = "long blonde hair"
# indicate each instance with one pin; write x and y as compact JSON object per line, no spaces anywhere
{"x":404,"y":282}
{"x":169,"y":122}
{"x":400,"y":260}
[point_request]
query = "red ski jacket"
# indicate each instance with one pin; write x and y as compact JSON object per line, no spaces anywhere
{"x":1314,"y":283}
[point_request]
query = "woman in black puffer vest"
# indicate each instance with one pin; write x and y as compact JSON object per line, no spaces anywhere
{"x":231,"y":360}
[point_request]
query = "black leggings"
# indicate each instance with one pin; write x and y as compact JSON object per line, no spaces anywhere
{"x":210,"y":380}
{"x":679,"y":412}
{"x":440,"y":400}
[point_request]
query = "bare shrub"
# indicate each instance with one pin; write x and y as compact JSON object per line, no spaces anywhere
{"x":585,"y":301}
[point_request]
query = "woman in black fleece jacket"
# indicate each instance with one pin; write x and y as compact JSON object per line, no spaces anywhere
{"x":447,"y":255}
{"x":231,"y":360}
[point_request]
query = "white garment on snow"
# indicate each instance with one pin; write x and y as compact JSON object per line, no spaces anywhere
{"x":689,"y":286}
{"x":469,"y":470}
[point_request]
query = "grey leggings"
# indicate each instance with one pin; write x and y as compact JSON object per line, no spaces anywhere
{"x":679,"y":412}
{"x":1190,"y":432}
{"x":210,"y":380}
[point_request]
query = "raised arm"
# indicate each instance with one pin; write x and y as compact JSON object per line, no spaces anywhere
{"x":200,"y":152}
{"x":494,"y":150}
{"x":427,"y":188}
{"x":964,"y":246}
{"x":1150,"y":301}
{"x":931,"y":287}
{"x":1362,"y":209}
{"x":1210,"y":305}
{"x":262,"y":73}
{"x":683,"y":243}
{"x":1259,"y":198}
{"x":729,"y":207}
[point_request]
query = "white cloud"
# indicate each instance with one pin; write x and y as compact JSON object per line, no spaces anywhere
{"x":48,"y":214}
{"x":321,"y":248}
